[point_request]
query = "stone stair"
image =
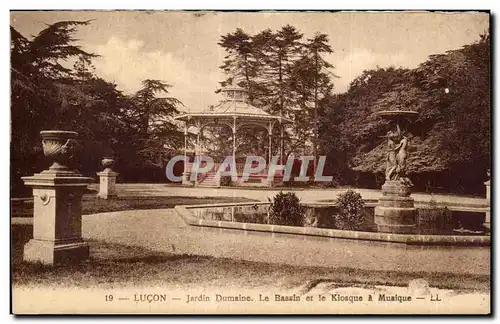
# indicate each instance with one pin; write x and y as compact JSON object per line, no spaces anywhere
{"x":209,"y":179}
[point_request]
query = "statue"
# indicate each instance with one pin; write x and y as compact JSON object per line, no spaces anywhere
{"x":390,"y":173}
{"x":395,"y":211}
{"x":397,"y":145}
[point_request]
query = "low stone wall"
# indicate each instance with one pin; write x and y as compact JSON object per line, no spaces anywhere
{"x":410,"y":239}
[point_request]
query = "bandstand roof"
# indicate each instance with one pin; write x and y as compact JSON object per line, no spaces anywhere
{"x":233,"y":106}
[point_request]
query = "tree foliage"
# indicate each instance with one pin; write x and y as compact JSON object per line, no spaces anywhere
{"x":285,"y":209}
{"x":48,"y":93}
{"x":284,"y":75}
{"x":450,"y":142}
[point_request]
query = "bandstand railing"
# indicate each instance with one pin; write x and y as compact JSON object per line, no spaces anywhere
{"x":240,"y":167}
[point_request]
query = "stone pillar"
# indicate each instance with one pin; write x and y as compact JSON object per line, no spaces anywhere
{"x":487,"y":218}
{"x":107,"y":181}
{"x":57,"y":216}
{"x":488,"y":192}
{"x":185,"y":172}
{"x":395,"y":212}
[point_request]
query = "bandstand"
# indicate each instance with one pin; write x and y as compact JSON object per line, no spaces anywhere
{"x":235,"y":112}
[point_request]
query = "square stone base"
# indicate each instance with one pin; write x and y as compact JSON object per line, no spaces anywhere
{"x":51,"y":253}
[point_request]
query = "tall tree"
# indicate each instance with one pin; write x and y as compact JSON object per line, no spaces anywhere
{"x":153,"y":120}
{"x":283,"y":76}
{"x":240,"y":65}
{"x":36,"y":68}
{"x":312,"y":81}
{"x":278,"y":51}
{"x":47,"y":93}
{"x":38,"y":88}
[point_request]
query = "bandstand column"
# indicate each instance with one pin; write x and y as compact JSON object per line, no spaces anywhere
{"x":270,"y":146}
{"x":197,"y":150}
{"x":234,"y":141}
{"x":185,"y":140}
{"x":270,"y":136}
{"x":185,"y":173}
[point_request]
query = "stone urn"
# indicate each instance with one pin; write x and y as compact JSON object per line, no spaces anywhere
{"x":58,"y":147}
{"x":107,"y":162}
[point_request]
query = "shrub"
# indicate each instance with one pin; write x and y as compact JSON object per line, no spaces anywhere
{"x":350,"y":215}
{"x":434,"y":217}
{"x":285,"y":209}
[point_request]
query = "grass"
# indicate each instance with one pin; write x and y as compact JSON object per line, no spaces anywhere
{"x":117,"y":266}
{"x":93,"y":205}
{"x":114,"y":265}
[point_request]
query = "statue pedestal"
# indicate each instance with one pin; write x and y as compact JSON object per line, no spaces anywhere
{"x":107,"y":181}
{"x":57,"y":217}
{"x":395,"y":212}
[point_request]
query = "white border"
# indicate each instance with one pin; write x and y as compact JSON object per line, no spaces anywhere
{"x":186,"y":4}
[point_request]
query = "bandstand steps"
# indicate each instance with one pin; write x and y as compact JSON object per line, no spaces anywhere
{"x":210,"y":180}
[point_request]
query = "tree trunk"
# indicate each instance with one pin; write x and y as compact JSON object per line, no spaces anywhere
{"x":247,"y":77}
{"x":280,"y":75}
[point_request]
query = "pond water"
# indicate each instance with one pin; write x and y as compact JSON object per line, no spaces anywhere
{"x":430,"y":221}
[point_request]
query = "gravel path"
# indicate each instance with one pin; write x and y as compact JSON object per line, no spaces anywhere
{"x":305,"y":194}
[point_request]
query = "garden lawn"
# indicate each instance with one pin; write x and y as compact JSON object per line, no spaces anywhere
{"x":119,"y":266}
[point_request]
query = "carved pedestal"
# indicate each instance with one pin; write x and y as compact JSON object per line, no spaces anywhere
{"x":57,"y":218}
{"x":107,"y":181}
{"x":395,"y":212}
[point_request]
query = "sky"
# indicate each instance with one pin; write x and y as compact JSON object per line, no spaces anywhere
{"x":181,"y":48}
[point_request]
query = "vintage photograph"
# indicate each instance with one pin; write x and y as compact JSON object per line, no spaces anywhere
{"x":250,"y":162}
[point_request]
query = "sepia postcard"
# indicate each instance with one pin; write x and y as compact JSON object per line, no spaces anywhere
{"x":250,"y":162}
